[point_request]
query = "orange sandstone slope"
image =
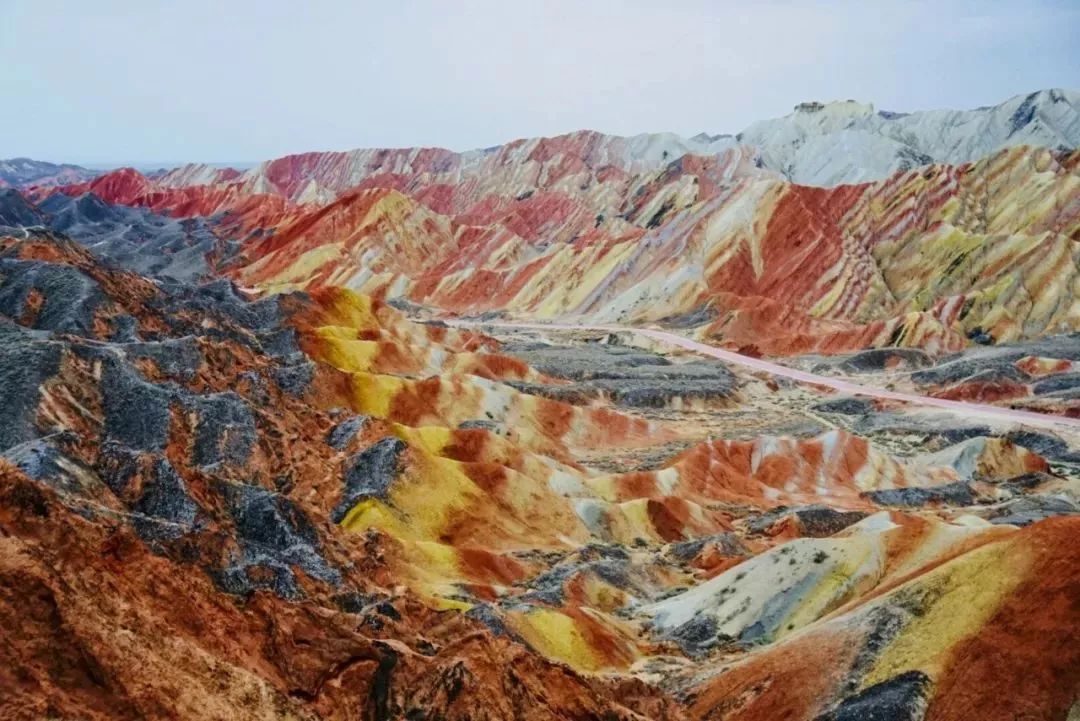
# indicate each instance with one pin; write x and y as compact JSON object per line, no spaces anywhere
{"x":958,"y":636}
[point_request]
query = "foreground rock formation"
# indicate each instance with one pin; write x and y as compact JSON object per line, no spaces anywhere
{"x":171,"y":463}
{"x":308,"y":507}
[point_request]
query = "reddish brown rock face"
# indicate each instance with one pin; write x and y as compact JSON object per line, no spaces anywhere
{"x":97,"y":626}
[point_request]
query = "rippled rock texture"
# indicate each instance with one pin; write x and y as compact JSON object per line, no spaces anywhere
{"x":236,"y":482}
{"x":306,"y":506}
{"x":948,"y":244}
{"x":166,"y":505}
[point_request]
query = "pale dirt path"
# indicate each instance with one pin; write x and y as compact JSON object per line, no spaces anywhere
{"x":960,"y":407}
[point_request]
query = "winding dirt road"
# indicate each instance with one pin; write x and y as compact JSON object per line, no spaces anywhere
{"x":968,"y":409}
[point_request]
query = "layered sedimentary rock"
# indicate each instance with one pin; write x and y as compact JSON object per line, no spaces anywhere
{"x":171,"y":463}
{"x":820,"y":144}
{"x":237,"y":482}
{"x":934,"y":258}
{"x":700,"y":234}
{"x":308,"y":507}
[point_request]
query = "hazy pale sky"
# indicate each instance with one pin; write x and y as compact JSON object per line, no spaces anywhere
{"x":238,"y":80}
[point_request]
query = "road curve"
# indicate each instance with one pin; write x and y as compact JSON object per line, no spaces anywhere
{"x":981,"y":409}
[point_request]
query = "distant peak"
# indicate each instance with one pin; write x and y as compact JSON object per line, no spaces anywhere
{"x":707,"y":138}
{"x":1053,"y":95}
{"x":838,"y":107}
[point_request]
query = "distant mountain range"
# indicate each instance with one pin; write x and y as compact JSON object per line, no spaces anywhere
{"x":24,"y":173}
{"x":822,"y":144}
{"x":709,"y":232}
{"x":847,"y":142}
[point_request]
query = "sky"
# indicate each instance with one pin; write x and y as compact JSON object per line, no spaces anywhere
{"x":145,"y":81}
